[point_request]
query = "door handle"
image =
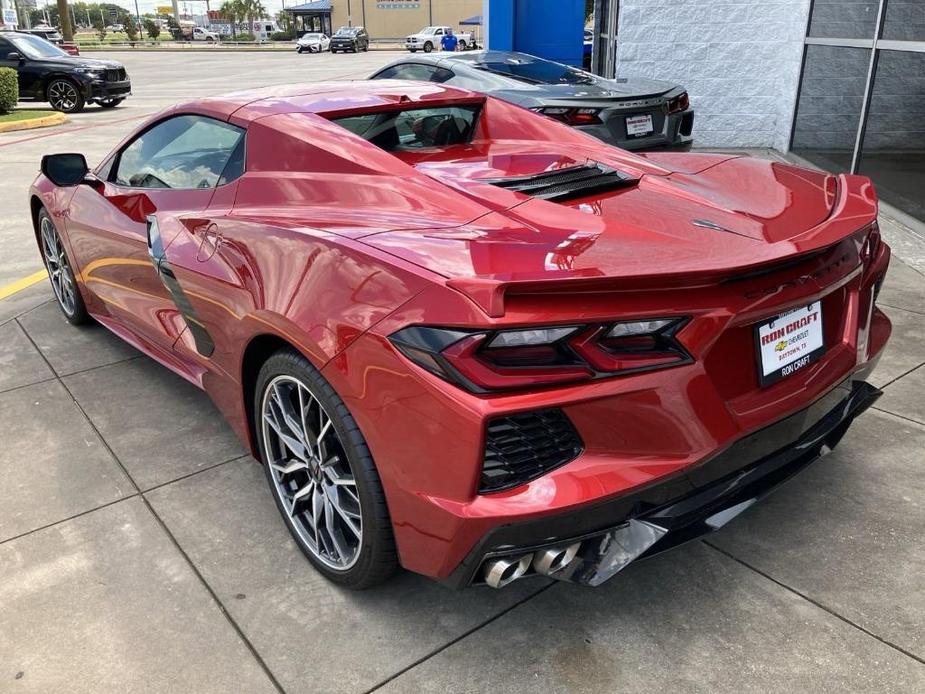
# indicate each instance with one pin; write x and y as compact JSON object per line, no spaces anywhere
{"x":211,"y":239}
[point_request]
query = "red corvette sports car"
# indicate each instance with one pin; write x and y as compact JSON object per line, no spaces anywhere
{"x":469,"y":340}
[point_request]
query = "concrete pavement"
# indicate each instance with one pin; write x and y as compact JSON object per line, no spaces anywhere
{"x":140,"y":549}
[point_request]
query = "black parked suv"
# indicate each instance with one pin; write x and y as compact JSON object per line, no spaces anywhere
{"x":351,"y":39}
{"x":47,"y":73}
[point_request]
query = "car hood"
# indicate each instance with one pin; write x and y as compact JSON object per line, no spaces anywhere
{"x":72,"y":62}
{"x":681,"y":214}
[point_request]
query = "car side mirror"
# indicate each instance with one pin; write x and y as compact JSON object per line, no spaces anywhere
{"x":13,"y":56}
{"x":65,"y":169}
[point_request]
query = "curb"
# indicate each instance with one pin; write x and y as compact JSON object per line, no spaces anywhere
{"x":29,"y":124}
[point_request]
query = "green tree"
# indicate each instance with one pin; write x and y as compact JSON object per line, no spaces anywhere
{"x":253,"y":10}
{"x":152,"y":28}
{"x":233,"y":12}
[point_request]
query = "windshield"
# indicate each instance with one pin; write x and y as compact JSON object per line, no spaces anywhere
{"x":34,"y":47}
{"x":415,"y":128}
{"x":346,"y":31}
{"x":428,"y":30}
{"x":532,"y":70}
{"x":311,"y":36}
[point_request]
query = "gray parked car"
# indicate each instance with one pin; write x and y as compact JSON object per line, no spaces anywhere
{"x":630,"y":113}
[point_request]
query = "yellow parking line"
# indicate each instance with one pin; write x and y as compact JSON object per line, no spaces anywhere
{"x":24,"y":283}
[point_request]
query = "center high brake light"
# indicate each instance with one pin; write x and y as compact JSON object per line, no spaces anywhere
{"x":491,"y":360}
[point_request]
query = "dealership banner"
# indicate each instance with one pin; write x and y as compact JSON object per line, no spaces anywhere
{"x":9,"y":18}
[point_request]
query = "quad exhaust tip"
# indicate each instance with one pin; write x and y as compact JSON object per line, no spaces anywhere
{"x":504,"y":570}
{"x":553,"y":559}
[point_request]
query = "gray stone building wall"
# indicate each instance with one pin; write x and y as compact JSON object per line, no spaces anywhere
{"x":739,"y":59}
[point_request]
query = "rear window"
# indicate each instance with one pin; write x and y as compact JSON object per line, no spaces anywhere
{"x":536,"y":70}
{"x":418,"y":128}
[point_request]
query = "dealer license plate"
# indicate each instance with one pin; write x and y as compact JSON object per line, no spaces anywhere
{"x":789,"y":342}
{"x":639,"y":126}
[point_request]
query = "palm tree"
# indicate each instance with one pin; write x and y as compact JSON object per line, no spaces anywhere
{"x":253,"y":10}
{"x":233,"y":11}
{"x":64,"y":17}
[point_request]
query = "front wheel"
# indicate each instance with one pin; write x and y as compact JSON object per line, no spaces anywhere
{"x":59,"y":272}
{"x":322,"y":474}
{"x":413,"y":50}
{"x":64,"y":96}
{"x":299,"y":50}
{"x":428,"y":47}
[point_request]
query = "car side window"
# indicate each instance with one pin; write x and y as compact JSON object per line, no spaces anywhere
{"x":415,"y":71}
{"x":182,"y":152}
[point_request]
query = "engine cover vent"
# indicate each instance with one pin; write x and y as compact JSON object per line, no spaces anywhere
{"x":568,"y":183}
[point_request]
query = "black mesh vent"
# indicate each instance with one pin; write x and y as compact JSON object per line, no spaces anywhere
{"x":571,"y":182}
{"x":521,"y":447}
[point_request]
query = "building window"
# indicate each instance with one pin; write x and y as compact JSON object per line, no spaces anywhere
{"x":860,"y":101}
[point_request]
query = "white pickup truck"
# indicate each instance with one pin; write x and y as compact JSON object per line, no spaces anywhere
{"x":200,"y":34}
{"x":429,"y":38}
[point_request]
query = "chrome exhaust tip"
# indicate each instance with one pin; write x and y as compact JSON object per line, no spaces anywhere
{"x":553,"y":559}
{"x":503,"y":570}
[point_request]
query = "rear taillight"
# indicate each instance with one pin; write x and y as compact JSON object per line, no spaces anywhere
{"x":491,"y":360}
{"x":871,"y":244}
{"x":679,"y":103}
{"x":571,"y":116}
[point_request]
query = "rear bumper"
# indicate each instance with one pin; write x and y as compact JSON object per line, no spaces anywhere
{"x":672,"y":131}
{"x":683,"y":507}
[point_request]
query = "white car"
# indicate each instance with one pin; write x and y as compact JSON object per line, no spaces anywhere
{"x":313,"y":43}
{"x":429,"y":38}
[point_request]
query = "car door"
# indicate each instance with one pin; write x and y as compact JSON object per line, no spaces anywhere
{"x":5,"y":49}
{"x":171,"y":171}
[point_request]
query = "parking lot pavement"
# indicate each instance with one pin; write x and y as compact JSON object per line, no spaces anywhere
{"x":140,"y":549}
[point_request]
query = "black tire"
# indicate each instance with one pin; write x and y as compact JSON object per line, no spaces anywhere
{"x":75,"y":314}
{"x":377,"y":558}
{"x":110,"y":103}
{"x":355,"y":49}
{"x":299,"y":50}
{"x":64,"y":95}
{"x":428,"y":47}
{"x":366,"y":48}
{"x":413,"y":50}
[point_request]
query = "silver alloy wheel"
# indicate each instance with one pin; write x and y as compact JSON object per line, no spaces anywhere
{"x":62,"y":279}
{"x":310,"y":472}
{"x":62,"y":95}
